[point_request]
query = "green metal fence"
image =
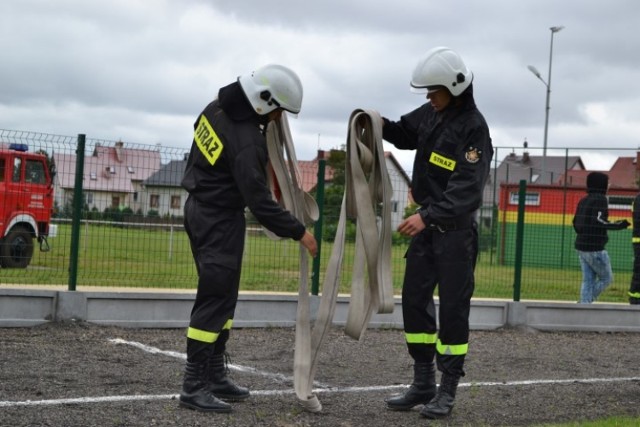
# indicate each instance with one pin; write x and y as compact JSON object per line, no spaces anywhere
{"x":123,"y":228}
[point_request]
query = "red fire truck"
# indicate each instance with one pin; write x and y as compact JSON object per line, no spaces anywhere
{"x":26,"y":204}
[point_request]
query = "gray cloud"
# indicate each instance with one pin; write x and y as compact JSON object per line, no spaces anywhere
{"x":141,"y":70}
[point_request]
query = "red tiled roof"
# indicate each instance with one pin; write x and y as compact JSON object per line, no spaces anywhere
{"x":109,"y":168}
{"x":624,"y":173}
{"x":309,"y":171}
{"x":575,"y":178}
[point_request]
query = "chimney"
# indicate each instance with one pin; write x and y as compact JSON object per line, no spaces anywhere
{"x":120,"y":151}
{"x":320,"y":154}
{"x":637,"y":162}
{"x":525,"y":153}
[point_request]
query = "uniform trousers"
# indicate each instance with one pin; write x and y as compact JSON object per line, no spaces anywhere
{"x":445,"y":260}
{"x":635,"y":278}
{"x":216,"y":237}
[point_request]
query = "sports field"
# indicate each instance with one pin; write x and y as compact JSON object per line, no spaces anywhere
{"x":85,"y":375}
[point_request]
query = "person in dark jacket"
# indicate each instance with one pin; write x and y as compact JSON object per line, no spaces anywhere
{"x":634,"y":289}
{"x":591,"y":223}
{"x":226,"y":172}
{"x":451,"y":166}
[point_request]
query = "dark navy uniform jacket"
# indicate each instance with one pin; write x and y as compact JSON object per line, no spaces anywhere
{"x":452,"y":161}
{"x":227,"y":164}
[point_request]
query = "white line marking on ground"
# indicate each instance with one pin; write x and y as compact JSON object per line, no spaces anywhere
{"x":5,"y":404}
{"x":280,"y":377}
{"x":88,"y":400}
{"x":539,"y":382}
{"x":149,"y":349}
{"x":246,"y":369}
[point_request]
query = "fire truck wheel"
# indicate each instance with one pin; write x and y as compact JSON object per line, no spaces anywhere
{"x":16,"y":249}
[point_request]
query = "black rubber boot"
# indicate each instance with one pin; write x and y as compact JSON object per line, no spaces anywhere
{"x":421,"y":391}
{"x":195,"y":392}
{"x":634,"y":301}
{"x":220,"y":384}
{"x":442,"y":404}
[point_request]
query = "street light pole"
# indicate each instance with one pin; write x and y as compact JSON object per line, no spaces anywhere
{"x":548,"y":85}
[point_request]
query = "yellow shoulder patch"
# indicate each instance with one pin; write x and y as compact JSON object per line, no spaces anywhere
{"x":207,"y":140}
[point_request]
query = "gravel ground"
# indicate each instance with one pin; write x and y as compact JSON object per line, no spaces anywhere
{"x":76,"y":375}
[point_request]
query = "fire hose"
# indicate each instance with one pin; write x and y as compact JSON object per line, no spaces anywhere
{"x":366,"y":198}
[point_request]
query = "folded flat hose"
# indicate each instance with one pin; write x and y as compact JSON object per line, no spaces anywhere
{"x":367,"y":190}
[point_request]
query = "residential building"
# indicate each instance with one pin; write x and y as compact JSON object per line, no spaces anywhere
{"x":401,"y":184}
{"x":112,"y":177}
{"x":549,"y":211}
{"x":162,"y":191}
{"x":515,"y":168}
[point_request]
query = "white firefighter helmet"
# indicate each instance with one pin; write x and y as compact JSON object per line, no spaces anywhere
{"x":441,"y":66}
{"x":272,"y":86}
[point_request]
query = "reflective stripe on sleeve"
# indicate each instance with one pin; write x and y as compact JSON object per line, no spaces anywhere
{"x":421,"y":338}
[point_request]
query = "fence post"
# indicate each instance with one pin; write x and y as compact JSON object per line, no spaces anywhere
{"x":77,"y":214}
{"x":564,"y":206}
{"x":317,"y":229}
{"x":494,"y":208}
{"x":522,"y":195}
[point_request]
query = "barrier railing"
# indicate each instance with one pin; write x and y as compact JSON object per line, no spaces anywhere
{"x":130,"y":231}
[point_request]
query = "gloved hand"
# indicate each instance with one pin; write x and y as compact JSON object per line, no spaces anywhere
{"x":623,"y":224}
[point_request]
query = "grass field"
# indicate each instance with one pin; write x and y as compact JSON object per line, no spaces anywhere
{"x":552,"y":246}
{"x":608,"y":422}
{"x":161,"y":258}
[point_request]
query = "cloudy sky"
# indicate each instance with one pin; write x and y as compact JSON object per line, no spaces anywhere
{"x":142,"y":70}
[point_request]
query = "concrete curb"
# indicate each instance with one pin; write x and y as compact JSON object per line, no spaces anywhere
{"x":153,"y":309}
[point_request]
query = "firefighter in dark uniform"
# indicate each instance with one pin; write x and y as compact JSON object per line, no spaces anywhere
{"x":226,"y":172}
{"x":452,"y":162}
{"x":634,"y":289}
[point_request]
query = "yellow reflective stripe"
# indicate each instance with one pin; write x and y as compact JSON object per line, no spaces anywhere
{"x":635,"y":240}
{"x":452,"y":350}
{"x":206,"y":336}
{"x":420,"y":338}
{"x":207,"y":140}
{"x":442,"y":161}
{"x":634,"y":294}
{"x":203,"y":336}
